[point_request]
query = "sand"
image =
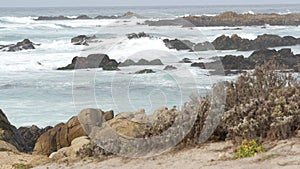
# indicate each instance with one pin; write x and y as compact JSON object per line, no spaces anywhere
{"x":283,"y":154}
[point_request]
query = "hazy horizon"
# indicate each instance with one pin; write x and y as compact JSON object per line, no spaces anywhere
{"x":135,"y":3}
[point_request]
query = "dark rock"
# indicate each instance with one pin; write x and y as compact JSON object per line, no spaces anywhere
{"x":262,"y":41}
{"x":10,"y":134}
{"x":127,"y":62}
{"x":31,"y":134}
{"x":92,"y":61}
{"x":52,"y":18}
{"x":23,"y":45}
{"x":136,"y":36}
{"x":145,"y":71}
{"x":82,"y":39}
{"x":200,"y":65}
{"x":155,"y":62}
{"x":185,"y":60}
{"x":83,"y":17}
{"x":203,"y":46}
{"x":178,"y":44}
{"x":106,"y":17}
{"x":170,"y":67}
{"x":130,"y":62}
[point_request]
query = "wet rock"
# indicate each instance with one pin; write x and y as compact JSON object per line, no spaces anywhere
{"x":82,"y":40}
{"x":136,"y":36}
{"x":185,"y":60}
{"x":145,"y":71}
{"x":130,"y":62}
{"x":170,"y":67}
{"x":83,"y":17}
{"x":41,"y":18}
{"x":261,"y":42}
{"x":92,"y":61}
{"x":178,"y":44}
{"x":23,"y":45}
{"x":200,"y":65}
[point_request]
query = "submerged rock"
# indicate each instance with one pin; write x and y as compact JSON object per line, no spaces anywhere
{"x":145,"y":71}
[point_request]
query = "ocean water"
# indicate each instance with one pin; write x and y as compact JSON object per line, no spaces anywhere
{"x":32,"y":91}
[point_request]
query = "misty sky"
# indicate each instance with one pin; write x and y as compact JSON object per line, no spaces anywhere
{"x":64,"y":3}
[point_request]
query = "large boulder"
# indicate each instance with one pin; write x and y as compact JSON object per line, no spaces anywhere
{"x":10,"y":134}
{"x":58,"y":137}
{"x":71,"y":151}
{"x":62,"y":134}
{"x":92,"y":61}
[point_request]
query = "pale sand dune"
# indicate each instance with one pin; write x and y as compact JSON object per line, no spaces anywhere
{"x":283,"y":154}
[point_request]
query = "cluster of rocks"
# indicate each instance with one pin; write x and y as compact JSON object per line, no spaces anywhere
{"x":23,"y":139}
{"x":92,"y":61}
{"x":233,"y":43}
{"x":262,"y":41}
{"x":284,"y":58}
{"x":230,"y":19}
{"x":85,"y":17}
{"x":23,"y":45}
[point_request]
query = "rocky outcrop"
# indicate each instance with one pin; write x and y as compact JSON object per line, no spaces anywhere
{"x":144,"y":71}
{"x":92,"y":61}
{"x":82,"y":40}
{"x":262,"y":41}
{"x":230,"y":19}
{"x":31,"y":134}
{"x":283,"y":58}
{"x":233,"y":42}
{"x":62,"y":135}
{"x":10,"y":134}
{"x":140,"y":62}
{"x":23,"y":45}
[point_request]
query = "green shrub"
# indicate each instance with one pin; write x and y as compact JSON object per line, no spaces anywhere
{"x":248,"y":149}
